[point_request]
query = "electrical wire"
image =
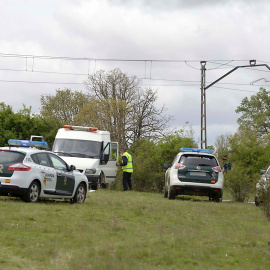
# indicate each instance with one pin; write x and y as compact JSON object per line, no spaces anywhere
{"x":233,"y":89}
{"x":8,"y":81}
{"x":191,"y":66}
{"x":26,"y":57}
{"x":219,"y":66}
{"x":250,"y":68}
{"x":102,"y":59}
{"x":42,"y":71}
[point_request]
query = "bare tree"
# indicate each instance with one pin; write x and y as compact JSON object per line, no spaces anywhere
{"x":120,"y":105}
{"x":148,"y":121}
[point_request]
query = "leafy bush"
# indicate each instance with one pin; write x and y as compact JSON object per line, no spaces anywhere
{"x":248,"y":154}
{"x":239,"y":183}
{"x":148,"y":159}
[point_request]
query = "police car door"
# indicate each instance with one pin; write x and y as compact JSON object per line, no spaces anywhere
{"x":65,"y":179}
{"x":108,"y":161}
{"x":48,"y":174}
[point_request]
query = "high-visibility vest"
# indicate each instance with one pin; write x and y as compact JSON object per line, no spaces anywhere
{"x":129,"y":166}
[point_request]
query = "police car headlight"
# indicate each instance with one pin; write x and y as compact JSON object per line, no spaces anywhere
{"x":90,"y":171}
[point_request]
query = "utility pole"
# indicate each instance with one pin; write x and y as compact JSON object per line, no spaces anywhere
{"x":252,"y":63}
{"x":203,"y":107}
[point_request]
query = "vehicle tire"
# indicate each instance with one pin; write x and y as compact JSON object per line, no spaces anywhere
{"x":94,"y":187}
{"x":80,"y":194}
{"x":33,"y":192}
{"x":102,"y":183}
{"x":171,"y":195}
{"x":216,"y":199}
{"x":165,"y":192}
{"x":257,"y":202}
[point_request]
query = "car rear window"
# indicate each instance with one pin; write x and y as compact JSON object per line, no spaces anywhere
{"x":198,"y":160}
{"x":11,"y":157}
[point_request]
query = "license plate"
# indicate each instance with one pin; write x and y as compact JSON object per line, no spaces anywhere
{"x":198,"y":173}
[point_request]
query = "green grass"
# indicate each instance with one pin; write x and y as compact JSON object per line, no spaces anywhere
{"x":133,"y":230}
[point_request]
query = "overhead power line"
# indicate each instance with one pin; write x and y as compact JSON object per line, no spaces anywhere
{"x":8,"y":81}
{"x":43,"y":71}
{"x":233,"y":66}
{"x":104,"y":59}
{"x":73,"y":83}
{"x":220,"y":64}
{"x":85,"y":74}
{"x":233,"y":89}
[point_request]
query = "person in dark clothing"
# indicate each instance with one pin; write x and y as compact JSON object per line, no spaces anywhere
{"x":127,"y":167}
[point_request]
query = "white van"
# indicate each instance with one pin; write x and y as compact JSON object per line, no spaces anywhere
{"x":90,"y":150}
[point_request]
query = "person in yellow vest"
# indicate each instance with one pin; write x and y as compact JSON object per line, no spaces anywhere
{"x":127,"y":167}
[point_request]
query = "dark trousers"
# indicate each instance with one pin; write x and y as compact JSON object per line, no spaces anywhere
{"x":127,"y":181}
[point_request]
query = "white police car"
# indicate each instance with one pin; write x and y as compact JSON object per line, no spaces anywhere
{"x":31,"y":173}
{"x":194,"y":172}
{"x":262,"y":187}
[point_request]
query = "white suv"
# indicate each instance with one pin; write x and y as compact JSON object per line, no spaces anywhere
{"x":194,"y":172}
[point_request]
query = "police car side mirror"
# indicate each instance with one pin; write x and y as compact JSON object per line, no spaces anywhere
{"x":72,"y":167}
{"x":166,"y":165}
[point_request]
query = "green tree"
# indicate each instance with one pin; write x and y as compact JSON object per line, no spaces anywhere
{"x":246,"y":150}
{"x":256,"y":112}
{"x":222,"y":146}
{"x":23,"y":124}
{"x":249,"y":147}
{"x":171,"y":144}
{"x":64,"y":106}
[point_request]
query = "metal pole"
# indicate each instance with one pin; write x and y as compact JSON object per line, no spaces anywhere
{"x":252,"y":63}
{"x":203,"y":107}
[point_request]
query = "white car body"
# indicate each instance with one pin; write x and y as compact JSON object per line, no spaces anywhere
{"x":262,"y":186}
{"x":52,"y":176}
{"x":203,"y":180}
{"x":90,"y":150}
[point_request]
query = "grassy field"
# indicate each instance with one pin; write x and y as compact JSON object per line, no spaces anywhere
{"x":133,"y":230}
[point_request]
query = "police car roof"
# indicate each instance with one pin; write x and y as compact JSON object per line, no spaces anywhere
{"x":23,"y":149}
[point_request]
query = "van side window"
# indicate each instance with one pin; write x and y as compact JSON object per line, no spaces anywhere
{"x":106,"y":150}
{"x":113,"y":152}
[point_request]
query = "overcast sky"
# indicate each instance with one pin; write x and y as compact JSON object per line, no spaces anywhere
{"x":223,"y":33}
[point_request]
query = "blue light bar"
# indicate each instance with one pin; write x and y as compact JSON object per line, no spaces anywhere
{"x":185,"y":149}
{"x":26,"y":143}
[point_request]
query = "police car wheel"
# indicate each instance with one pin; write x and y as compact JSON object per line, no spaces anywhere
{"x":171,"y":195}
{"x":165,"y":192}
{"x":80,"y":194}
{"x":33,"y":192}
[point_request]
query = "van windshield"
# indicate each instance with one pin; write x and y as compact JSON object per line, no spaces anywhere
{"x":77,"y":148}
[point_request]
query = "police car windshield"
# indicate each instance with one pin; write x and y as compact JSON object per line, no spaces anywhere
{"x":77,"y":148}
{"x":198,"y":160}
